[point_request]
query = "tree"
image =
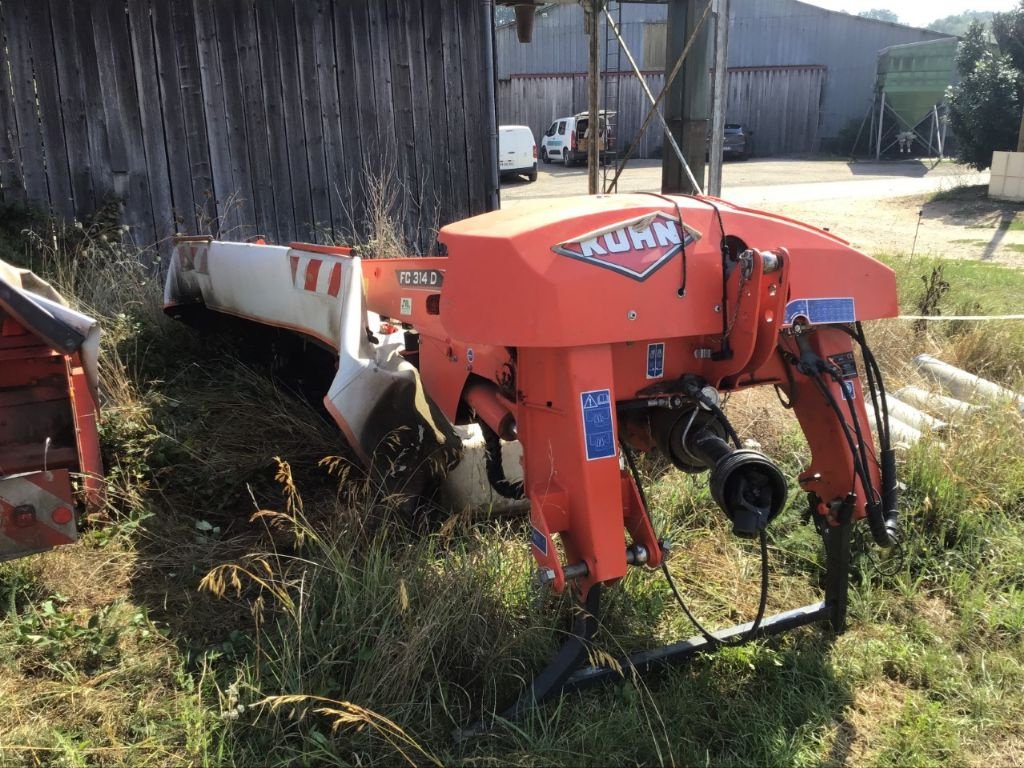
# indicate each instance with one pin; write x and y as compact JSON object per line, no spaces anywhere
{"x":880,"y":14}
{"x":1008,"y":29}
{"x":985,"y":108}
{"x":957,"y":24}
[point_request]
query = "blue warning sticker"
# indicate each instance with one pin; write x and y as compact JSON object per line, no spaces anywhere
{"x":598,"y":426}
{"x":655,"y":360}
{"x":849,"y":391}
{"x":821,"y":311}
{"x":539,"y":540}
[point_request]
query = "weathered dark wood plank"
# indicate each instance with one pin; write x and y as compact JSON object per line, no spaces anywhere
{"x":386,"y":164}
{"x":30,"y":134}
{"x":255,"y":113}
{"x":124,"y":127}
{"x":366,"y":120}
{"x":100,"y":171}
{"x":216,"y":121}
{"x":73,"y":104}
{"x":176,"y":151}
{"x":474,"y":113}
{"x":154,"y":139}
{"x":307,"y":20}
{"x":12,"y":187}
{"x":47,"y":90}
{"x":424,"y":134}
{"x":298,"y":168}
{"x":440,"y":140}
{"x":455,"y":106}
{"x":330,"y":108}
{"x":348,"y":194}
{"x":193,"y":115}
{"x":283,"y":230}
{"x":226,"y":12}
{"x":402,"y":96}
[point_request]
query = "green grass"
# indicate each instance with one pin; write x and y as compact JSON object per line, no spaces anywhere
{"x":332,"y":631}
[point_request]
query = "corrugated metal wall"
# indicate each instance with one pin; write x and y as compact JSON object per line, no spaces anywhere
{"x":559,"y":45}
{"x":780,"y":105}
{"x":762,"y":33}
{"x":787,"y":32}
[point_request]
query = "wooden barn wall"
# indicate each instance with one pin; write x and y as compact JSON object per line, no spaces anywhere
{"x":536,"y":100}
{"x":245,"y":117}
{"x":781,"y":105}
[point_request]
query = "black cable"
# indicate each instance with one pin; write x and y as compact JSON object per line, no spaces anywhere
{"x":858,"y":468}
{"x":874,"y":377}
{"x":682,"y":236}
{"x":763,"y":538}
{"x":869,"y":487}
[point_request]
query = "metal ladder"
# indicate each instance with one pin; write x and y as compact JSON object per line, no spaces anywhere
{"x":612,"y":90}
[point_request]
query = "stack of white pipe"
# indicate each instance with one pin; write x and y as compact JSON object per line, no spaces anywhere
{"x":910,"y":408}
{"x":947,"y":407}
{"x":964,"y":385}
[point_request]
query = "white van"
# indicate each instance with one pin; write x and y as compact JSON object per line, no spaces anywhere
{"x":517,"y":151}
{"x":566,"y":139}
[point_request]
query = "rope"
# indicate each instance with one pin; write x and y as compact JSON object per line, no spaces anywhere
{"x":971,"y":318}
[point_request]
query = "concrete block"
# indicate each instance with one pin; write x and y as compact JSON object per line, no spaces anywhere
{"x":997,"y":186}
{"x":999,"y":161}
{"x":1013,"y":189}
{"x":1015,"y":164}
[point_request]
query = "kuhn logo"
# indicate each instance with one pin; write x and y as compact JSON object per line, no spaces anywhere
{"x":635,"y":248}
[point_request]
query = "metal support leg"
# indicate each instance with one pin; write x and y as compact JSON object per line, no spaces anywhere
{"x":552,"y":679}
{"x":837,"y":567}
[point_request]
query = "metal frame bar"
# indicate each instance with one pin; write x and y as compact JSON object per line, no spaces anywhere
{"x":564,"y":673}
{"x":935,"y":123}
{"x":719,"y":95}
{"x":646,"y":661}
{"x":650,"y":97}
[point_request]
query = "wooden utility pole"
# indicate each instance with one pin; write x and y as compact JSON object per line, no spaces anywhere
{"x":720,"y":84}
{"x":688,"y":105}
{"x":593,"y":12}
{"x":1020,"y":136}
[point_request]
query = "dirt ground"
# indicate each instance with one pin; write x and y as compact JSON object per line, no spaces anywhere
{"x":925,"y":208}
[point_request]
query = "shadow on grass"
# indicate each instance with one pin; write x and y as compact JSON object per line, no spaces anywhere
{"x":775,"y":703}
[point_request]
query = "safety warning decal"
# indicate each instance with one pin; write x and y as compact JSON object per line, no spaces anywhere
{"x":598,"y":426}
{"x":539,"y":540}
{"x":846,"y":369}
{"x":821,"y":311}
{"x":655,"y":360}
{"x":405,"y":306}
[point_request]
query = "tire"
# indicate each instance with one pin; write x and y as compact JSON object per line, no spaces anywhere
{"x":544,"y":156}
{"x":532,"y":176}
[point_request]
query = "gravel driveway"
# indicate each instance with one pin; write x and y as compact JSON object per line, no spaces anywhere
{"x":878,"y":207}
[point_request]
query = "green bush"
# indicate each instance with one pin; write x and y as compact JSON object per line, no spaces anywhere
{"x":985,"y":108}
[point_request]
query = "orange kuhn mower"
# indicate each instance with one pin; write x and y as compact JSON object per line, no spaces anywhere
{"x":589,"y":330}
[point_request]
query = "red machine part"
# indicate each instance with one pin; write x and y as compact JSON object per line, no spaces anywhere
{"x":552,"y":315}
{"x":48,"y":430}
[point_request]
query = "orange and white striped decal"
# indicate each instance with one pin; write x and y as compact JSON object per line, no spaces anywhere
{"x":36,"y":513}
{"x":315,"y":274}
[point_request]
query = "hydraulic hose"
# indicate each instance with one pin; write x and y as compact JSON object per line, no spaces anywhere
{"x":762,"y":603}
